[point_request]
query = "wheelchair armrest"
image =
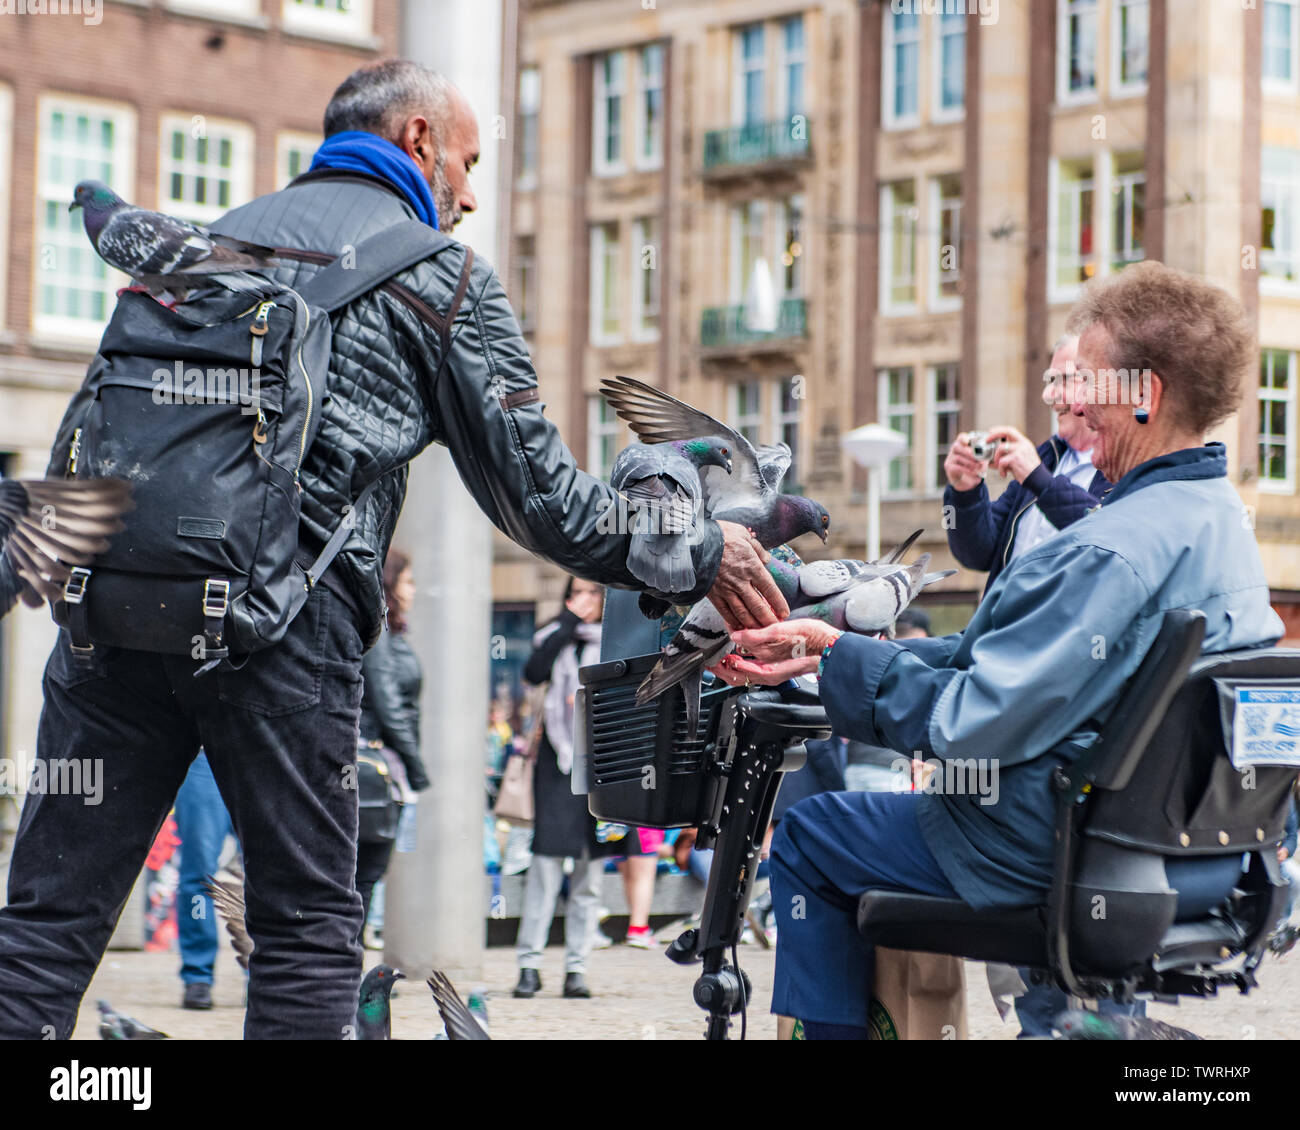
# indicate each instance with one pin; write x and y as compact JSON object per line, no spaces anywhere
{"x":775,"y":708}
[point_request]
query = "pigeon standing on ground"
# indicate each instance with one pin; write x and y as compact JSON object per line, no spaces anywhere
{"x":460,"y":1022}
{"x":49,"y":525}
{"x":751,"y":494}
{"x":1077,"y":1024}
{"x":374,"y":1018}
{"x":115,"y":1026}
{"x":860,"y":597}
{"x":661,"y":482}
{"x":167,"y":256}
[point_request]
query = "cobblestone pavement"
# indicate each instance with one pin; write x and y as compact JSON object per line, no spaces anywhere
{"x":639,"y":995}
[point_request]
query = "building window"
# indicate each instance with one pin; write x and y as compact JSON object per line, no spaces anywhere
{"x":944,"y":397}
{"x":1279,"y":193}
{"x":293,"y":154}
{"x":73,"y":287}
{"x":1280,"y":45}
{"x":1129,"y":37}
{"x":530,"y":105}
{"x":748,"y":221}
{"x":747,"y":410}
{"x":897,"y":410}
{"x":602,"y":437}
{"x":749,"y":96}
{"x":329,"y":19}
{"x":1076,"y":50}
{"x":1075,"y":260}
{"x":898,"y":216}
{"x":238,"y":10}
{"x":1277,"y":420}
{"x":1128,"y":197}
{"x":650,"y":108}
{"x":792,"y":247}
{"x":6,"y":189}
{"x":785,"y":416}
{"x":606,"y":313}
{"x":900,"y":74}
{"x":945,"y":267}
{"x":645,"y":292}
{"x":950,"y":66}
{"x":611,"y":85}
{"x":794,"y":58}
{"x":524,"y":296}
{"x":205,"y":167}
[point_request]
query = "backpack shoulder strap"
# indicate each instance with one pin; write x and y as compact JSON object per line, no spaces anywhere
{"x":375,"y":261}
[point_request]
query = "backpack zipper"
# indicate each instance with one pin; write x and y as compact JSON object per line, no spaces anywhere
{"x":258,"y":330}
{"x":306,"y":421}
{"x":74,"y":451}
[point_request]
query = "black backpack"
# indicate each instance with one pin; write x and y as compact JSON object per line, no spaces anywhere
{"x":209,"y":408}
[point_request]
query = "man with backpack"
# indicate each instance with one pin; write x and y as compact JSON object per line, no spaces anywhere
{"x":203,"y":625}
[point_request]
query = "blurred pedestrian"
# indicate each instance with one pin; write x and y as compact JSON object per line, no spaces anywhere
{"x":203,"y":824}
{"x":562,"y":826}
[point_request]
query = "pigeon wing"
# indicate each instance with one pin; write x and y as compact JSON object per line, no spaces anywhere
{"x":139,"y":242}
{"x":228,"y":898}
{"x":460,"y":1022}
{"x":774,"y":461}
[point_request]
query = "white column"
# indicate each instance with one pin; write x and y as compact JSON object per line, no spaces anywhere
{"x":435,"y":909}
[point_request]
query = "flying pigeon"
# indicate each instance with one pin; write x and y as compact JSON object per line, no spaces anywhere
{"x":751,"y":494}
{"x":459,"y":1019}
{"x":661,"y":482}
{"x":169,"y":257}
{"x":115,"y":1026}
{"x":1077,"y":1024}
{"x":374,"y":1019}
{"x":48,"y":525}
{"x":869,"y":599}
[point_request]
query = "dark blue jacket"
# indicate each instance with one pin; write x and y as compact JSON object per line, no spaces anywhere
{"x":983,"y":532}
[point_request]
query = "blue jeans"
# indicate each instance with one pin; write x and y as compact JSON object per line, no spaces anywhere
{"x":827,"y":851}
{"x":1041,"y":1004}
{"x":202,"y":823}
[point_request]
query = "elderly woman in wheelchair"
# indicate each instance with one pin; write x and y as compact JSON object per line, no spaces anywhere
{"x":1047,"y":663}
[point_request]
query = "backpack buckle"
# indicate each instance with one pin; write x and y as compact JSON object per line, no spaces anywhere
{"x":216,"y":598}
{"x":74,"y":589}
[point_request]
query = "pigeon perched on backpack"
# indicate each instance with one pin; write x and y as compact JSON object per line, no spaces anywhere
{"x":49,"y":525}
{"x":750,"y":494}
{"x":859,"y":596}
{"x":661,"y":483}
{"x":169,"y":257}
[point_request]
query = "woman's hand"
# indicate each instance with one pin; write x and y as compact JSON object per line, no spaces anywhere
{"x":776,"y":653}
{"x":1016,"y":455}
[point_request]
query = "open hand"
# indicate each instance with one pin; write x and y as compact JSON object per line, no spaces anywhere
{"x":776,"y":653}
{"x":743,"y":592}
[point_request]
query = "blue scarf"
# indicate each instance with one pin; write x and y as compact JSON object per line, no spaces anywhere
{"x":361,"y":152}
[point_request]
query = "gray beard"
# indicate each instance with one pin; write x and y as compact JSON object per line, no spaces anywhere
{"x":444,"y":198}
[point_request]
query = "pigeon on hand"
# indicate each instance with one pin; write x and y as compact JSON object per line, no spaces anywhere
{"x":1078,"y":1024}
{"x":374,"y":1019}
{"x":751,"y":494}
{"x":169,"y":257}
{"x":661,"y":483}
{"x":48,"y":525}
{"x":115,"y":1026}
{"x":859,"y":597}
{"x":461,"y":1022}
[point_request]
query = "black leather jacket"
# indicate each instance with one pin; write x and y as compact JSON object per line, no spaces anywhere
{"x":390,"y":703}
{"x":386,"y":403}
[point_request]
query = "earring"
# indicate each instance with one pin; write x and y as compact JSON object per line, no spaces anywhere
{"x":1141,"y":415}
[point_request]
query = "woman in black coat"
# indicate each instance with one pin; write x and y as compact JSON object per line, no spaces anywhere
{"x":390,"y":713}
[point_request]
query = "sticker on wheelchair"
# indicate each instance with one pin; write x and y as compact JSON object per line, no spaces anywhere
{"x":1266,"y":726}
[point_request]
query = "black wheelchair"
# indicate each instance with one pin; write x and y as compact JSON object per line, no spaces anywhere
{"x":1166,"y":881}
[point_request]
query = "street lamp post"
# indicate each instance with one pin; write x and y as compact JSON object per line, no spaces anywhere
{"x":872,"y":446}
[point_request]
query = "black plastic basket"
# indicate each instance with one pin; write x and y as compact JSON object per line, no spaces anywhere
{"x":643,"y":767}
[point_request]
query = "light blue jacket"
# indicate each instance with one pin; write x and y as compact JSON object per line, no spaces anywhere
{"x":1044,"y":660}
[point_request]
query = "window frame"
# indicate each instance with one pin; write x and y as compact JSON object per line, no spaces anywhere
{"x":529,"y":293}
{"x":81,"y":331}
{"x":528,"y":110}
{"x":738,"y":276}
{"x":353,"y":26}
{"x":1064,"y":95}
{"x":886,"y":303}
{"x":600,"y":241}
{"x":937,"y":301}
{"x":599,"y":430}
{"x":1287,"y":485}
{"x":739,"y":91}
{"x":793,"y":205}
{"x":656,"y":159}
{"x":890,"y":120}
{"x":6,"y":195}
{"x":601,"y":166}
{"x":1288,"y":87}
{"x":1287,"y":185}
{"x":741,"y":420}
{"x":787,"y":59}
{"x":886,"y":413}
{"x":286,"y":141}
{"x":640,"y":240}
{"x":935,"y":480}
{"x":792,"y":484}
{"x":1119,"y":88}
{"x":938,"y":113}
{"x":243,"y":146}
{"x":1056,"y":292}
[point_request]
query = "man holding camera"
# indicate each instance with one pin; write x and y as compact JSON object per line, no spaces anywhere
{"x":1055,"y":484}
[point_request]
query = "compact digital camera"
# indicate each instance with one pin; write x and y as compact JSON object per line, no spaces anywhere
{"x":981,"y":446}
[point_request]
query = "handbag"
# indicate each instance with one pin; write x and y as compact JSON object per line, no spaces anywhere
{"x":514,"y":802}
{"x":379,"y":798}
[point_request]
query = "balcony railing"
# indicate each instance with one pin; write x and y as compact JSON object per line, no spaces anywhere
{"x":722,"y":326}
{"x":759,"y":144}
